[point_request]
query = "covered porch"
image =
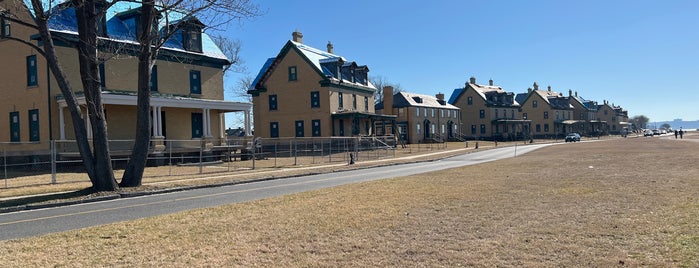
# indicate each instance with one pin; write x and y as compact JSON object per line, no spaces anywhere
{"x":510,"y":129}
{"x":120,"y":111}
{"x":372,"y":124}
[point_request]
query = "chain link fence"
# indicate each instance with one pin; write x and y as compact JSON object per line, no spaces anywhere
{"x":173,"y":159}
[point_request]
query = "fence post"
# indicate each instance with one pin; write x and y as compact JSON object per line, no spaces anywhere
{"x":296,"y":143}
{"x":201,"y":154}
{"x":356,"y":148}
{"x":4,"y":163}
{"x":169,"y":152}
{"x":53,"y":161}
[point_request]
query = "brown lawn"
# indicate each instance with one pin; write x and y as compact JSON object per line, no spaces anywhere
{"x":631,"y":202}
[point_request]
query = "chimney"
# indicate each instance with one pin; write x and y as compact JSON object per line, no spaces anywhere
{"x":536,"y":86}
{"x":473,"y":80}
{"x":570,"y":93}
{"x":440,"y":96}
{"x":387,"y":100}
{"x":490,"y":82}
{"x":576,"y":93}
{"x":549,"y":88}
{"x":529,"y":90}
{"x":330,"y":48}
{"x":297,"y":36}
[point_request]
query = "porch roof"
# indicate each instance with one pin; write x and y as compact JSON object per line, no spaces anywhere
{"x":357,"y":114}
{"x":112,"y":98}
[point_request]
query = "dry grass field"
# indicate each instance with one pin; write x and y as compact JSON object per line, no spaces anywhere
{"x":621,"y":203}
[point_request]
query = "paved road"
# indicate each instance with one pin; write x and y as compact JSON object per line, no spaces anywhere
{"x":43,"y":221}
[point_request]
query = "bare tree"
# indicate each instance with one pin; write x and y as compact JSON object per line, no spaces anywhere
{"x":380,"y":82}
{"x":640,"y":121}
{"x":96,"y":158}
{"x":216,"y":13}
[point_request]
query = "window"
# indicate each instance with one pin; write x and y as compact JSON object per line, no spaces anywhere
{"x":418,"y":128}
{"x":340,"y":105}
{"x":512,"y":113}
{"x":546,"y":115}
{"x":538,"y":127}
{"x":497,"y":114}
{"x":443,"y":130}
{"x":293,"y":76}
{"x":31,"y":71}
{"x":272,"y":102}
{"x":432,"y":128}
{"x":274,"y":129}
{"x":482,"y":129}
{"x":366,"y":127}
{"x":194,"y":82}
{"x":34,"y":125}
{"x":6,"y":29}
{"x":557,"y":115}
{"x":546,"y":127}
{"x":299,"y":128}
{"x":432,"y":110}
{"x":417,"y":112}
{"x":424,"y":111}
{"x":191,"y":37}
{"x":197,"y":125}
{"x":103,"y":78}
{"x":366,"y":103}
{"x":473,"y":129}
{"x":524,"y":116}
{"x":154,"y":78}
{"x":535,"y":104}
{"x":342,"y":127}
{"x":469,"y":101}
{"x":14,"y":127}
{"x":354,"y":102}
{"x":315,"y":124}
{"x":315,"y":99}
{"x":482,"y":113}
{"x":441,"y":113}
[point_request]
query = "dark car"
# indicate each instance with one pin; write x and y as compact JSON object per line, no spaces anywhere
{"x":572,"y":137}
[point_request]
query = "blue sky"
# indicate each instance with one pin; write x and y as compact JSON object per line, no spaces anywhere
{"x":642,"y":55}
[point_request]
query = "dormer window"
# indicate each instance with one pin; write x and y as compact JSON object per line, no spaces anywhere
{"x":192,"y":39}
{"x":6,"y":29}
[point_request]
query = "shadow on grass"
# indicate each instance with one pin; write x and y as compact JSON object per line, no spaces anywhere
{"x":49,"y":198}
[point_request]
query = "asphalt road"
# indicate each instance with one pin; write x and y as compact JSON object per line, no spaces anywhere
{"x":43,"y":221}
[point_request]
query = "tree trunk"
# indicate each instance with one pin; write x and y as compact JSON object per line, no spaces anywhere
{"x":133,"y":175}
{"x":86,"y":16}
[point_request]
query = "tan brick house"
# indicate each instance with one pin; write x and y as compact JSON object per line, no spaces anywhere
{"x":489,"y":112}
{"x":308,"y":92}
{"x":421,"y":118}
{"x":187,"y":101}
{"x":551,"y":113}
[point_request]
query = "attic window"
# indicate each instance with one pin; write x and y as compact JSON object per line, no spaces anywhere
{"x":192,"y":39}
{"x":417,"y":99}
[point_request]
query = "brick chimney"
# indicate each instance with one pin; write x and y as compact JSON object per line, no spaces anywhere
{"x":570,"y":93}
{"x":473,"y":80}
{"x":297,"y":36}
{"x":549,"y":88}
{"x":536,"y":86}
{"x":490,"y":82}
{"x":529,"y":90}
{"x":387,"y":100}
{"x":440,"y":96}
{"x":330,"y":48}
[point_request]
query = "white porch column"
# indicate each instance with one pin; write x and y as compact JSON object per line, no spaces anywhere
{"x":154,"y":121}
{"x":160,"y":121}
{"x":221,"y":125}
{"x":61,"y":123}
{"x":206,"y":124}
{"x":247,"y":122}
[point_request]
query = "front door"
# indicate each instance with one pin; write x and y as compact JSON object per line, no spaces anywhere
{"x":197,"y":125}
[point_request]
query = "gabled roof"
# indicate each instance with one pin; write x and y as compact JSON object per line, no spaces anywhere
{"x":316,"y":58}
{"x":554,"y":99}
{"x":493,"y":95}
{"x":405,"y":99}
{"x":119,"y":29}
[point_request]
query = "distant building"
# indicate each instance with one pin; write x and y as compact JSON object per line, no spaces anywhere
{"x":307,"y":92}
{"x":421,"y":118}
{"x":551,"y":113}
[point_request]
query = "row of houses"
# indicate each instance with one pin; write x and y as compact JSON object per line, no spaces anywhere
{"x":308,"y":92}
{"x":301,"y":92}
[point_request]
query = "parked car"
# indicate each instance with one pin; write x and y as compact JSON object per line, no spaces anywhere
{"x":647,"y":133}
{"x":656,"y":132}
{"x":572,"y":137}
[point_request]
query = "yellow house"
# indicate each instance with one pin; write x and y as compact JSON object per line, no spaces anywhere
{"x":187,"y":101}
{"x":307,"y":92}
{"x":551,"y":113}
{"x":421,"y":118}
{"x":489,"y":112}
{"x":615,"y":117}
